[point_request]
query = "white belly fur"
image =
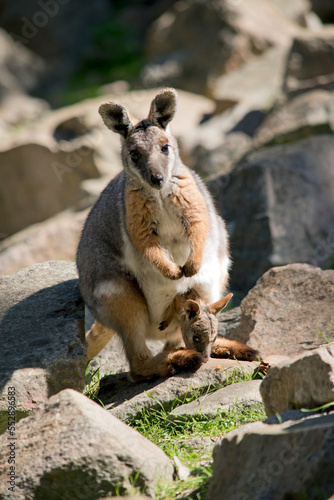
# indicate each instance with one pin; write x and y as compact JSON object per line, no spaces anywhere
{"x":160,"y":291}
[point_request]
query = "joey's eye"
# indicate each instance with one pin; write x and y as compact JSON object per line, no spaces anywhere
{"x":134,"y":156}
{"x":196,"y":339}
{"x":164,"y":149}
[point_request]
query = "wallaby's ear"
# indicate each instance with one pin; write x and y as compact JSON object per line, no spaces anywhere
{"x":163,"y":108}
{"x":192,"y":309}
{"x":116,"y":118}
{"x":218,"y":306}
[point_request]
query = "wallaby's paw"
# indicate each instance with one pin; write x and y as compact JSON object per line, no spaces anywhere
{"x":190,"y":268}
{"x":175,"y":272}
{"x":225,"y":348}
{"x":184,"y":360}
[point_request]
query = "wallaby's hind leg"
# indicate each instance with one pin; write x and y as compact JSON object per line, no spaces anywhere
{"x":97,"y":338}
{"x":225,"y":348}
{"x":122,"y":307}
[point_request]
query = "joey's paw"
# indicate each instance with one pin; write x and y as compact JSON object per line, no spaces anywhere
{"x":232,"y":349}
{"x":221,"y":352}
{"x":184,"y":360}
{"x":191,"y":268}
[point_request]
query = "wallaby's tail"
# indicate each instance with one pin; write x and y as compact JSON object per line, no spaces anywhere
{"x":97,"y":338}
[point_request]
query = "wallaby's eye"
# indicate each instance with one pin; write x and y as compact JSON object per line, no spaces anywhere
{"x":164,"y":149}
{"x":134,"y":156}
{"x":196,"y":339}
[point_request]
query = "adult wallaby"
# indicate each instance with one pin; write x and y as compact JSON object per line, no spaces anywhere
{"x":154,"y":233}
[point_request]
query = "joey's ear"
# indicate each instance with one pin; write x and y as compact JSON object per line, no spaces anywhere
{"x":163,"y":108}
{"x":218,"y":306}
{"x":192,"y":309}
{"x":116,"y":118}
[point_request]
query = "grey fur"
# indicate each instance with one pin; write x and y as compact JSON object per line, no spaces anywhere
{"x":105,"y":245}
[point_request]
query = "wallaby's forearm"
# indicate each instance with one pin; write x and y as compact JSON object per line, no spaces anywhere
{"x":193,"y":209}
{"x":140,"y":216}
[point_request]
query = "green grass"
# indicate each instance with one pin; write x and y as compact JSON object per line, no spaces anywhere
{"x":173,"y":436}
{"x":328,"y":340}
{"x":180,"y":438}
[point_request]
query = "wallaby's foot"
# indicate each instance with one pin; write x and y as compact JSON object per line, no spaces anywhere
{"x":184,"y":360}
{"x":167,"y":364}
{"x":225,"y":348}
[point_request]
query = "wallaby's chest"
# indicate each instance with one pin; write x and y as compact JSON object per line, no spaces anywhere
{"x":171,"y":232}
{"x":156,"y":219}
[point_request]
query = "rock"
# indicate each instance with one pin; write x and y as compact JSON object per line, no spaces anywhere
{"x":41,"y":26}
{"x":279,"y":204}
{"x":125,"y":399}
{"x":306,"y":381}
{"x":111,"y":359}
{"x":56,"y":238}
{"x":290,"y":310}
{"x":21,"y":69}
{"x":296,"y":11}
{"x":257,"y":82}
{"x":243,"y":393}
{"x":17,"y":110}
{"x":81,"y":451}
{"x":310,"y":64}
{"x":304,"y":116}
{"x":52,"y":182}
{"x":221,"y":159}
{"x":231,"y":33}
{"x":228,"y":321}
{"x":278,"y":461}
{"x":291,"y":415}
{"x":41,"y":335}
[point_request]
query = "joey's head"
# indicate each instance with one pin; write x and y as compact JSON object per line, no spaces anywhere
{"x":149,"y":151}
{"x":199,"y":324}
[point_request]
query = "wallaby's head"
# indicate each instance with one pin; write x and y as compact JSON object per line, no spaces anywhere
{"x":149,"y":151}
{"x":199,"y":324}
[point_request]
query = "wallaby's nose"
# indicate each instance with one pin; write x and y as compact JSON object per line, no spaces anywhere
{"x":157,"y":180}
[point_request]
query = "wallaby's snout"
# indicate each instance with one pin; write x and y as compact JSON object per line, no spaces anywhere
{"x":148,"y":156}
{"x":157,"y":180}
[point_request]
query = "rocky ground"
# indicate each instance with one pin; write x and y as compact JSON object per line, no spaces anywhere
{"x":256,"y":121}
{"x":287,"y":316}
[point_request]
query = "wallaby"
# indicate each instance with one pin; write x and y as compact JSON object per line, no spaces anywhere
{"x":199,"y":327}
{"x":154,"y":233}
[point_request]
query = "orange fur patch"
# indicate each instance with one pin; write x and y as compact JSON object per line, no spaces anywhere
{"x":225,"y":348}
{"x":140,"y":216}
{"x":193,"y":210}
